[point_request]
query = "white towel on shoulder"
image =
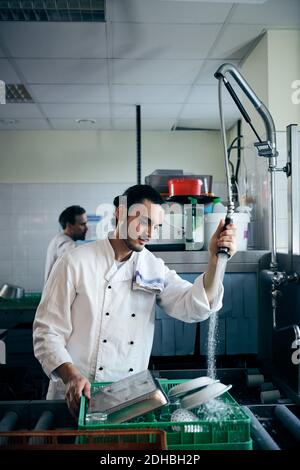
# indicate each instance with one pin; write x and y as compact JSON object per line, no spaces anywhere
{"x":149,"y":273}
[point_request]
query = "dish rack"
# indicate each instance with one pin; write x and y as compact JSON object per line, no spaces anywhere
{"x":231,"y":433}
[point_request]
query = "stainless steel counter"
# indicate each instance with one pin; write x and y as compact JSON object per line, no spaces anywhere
{"x":196,"y":261}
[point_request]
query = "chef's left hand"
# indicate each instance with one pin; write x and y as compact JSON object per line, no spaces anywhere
{"x":223,"y":238}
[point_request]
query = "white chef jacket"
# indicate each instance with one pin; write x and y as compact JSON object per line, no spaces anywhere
{"x":57,"y":247}
{"x":89,"y":314}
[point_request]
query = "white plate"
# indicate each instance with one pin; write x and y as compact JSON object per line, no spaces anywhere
{"x":208,"y":393}
{"x":194,"y":384}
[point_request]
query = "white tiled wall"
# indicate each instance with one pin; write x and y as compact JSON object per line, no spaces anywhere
{"x":29,"y":213}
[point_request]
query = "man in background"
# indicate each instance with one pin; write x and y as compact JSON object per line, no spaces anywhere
{"x":73,"y":221}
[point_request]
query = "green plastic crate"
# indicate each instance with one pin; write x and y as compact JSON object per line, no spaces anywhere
{"x":228,"y":434}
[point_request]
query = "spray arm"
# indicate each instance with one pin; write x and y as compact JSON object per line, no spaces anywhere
{"x":267,"y":148}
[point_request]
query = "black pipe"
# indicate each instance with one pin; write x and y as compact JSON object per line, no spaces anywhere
{"x":44,"y":423}
{"x":288,"y":420}
{"x":240,"y":107}
{"x":259,"y":434}
{"x":138,"y":144}
{"x":239,"y":149}
{"x":7,"y":424}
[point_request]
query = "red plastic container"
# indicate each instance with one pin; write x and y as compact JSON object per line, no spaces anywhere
{"x":184,"y":187}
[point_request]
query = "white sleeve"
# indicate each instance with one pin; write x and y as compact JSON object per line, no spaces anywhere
{"x":54,"y":252}
{"x":64,"y":246}
{"x":52,"y":324}
{"x":185,"y":301}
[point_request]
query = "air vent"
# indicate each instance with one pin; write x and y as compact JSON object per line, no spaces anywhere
{"x":53,"y":10}
{"x":17,"y":94}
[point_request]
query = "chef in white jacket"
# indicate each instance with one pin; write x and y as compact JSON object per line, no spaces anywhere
{"x":73,"y":221}
{"x":95,"y":321}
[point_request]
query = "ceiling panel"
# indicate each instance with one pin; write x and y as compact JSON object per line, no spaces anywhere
{"x":157,"y":11}
{"x":25,"y":124}
{"x":76,"y":111}
{"x":19,"y":111}
{"x":147,"y":124}
{"x":123,"y":111}
{"x":207,"y":94}
{"x":236,"y":41}
{"x":160,"y":110}
{"x":59,"y":71}
{"x":7,"y":72}
{"x":208,"y":110}
{"x":154,"y":72}
{"x":204,"y":123}
{"x":282,"y":13}
{"x":139,"y":94}
{"x":42,"y":40}
{"x":156,"y":41}
{"x":157,"y":58}
{"x":71,"y":93}
{"x":70,"y":124}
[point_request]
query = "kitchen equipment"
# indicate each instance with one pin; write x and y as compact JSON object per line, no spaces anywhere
{"x":159,"y":180}
{"x":9,"y":291}
{"x":171,"y":231}
{"x":231,"y":432}
{"x":204,"y":395}
{"x":241,"y":221}
{"x":185,"y":187}
{"x":182,"y":415}
{"x":182,"y":227}
{"x":194,"y":225}
{"x":190,"y":385}
{"x":125,"y":399}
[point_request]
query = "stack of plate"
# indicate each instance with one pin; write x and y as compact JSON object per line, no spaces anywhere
{"x":207,"y":389}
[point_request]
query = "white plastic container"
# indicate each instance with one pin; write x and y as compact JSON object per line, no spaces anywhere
{"x":240,"y":220}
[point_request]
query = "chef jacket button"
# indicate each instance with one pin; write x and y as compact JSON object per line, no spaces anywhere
{"x":131,"y":342}
{"x":100,"y":368}
{"x":130,"y":370}
{"x":107,"y":313}
{"x":133,"y":314}
{"x":105,"y":341}
{"x":109,"y":287}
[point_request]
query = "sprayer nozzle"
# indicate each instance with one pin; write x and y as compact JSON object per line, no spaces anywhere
{"x":223,"y":251}
{"x":218,"y":75}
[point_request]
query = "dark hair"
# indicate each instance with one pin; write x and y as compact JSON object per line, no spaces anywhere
{"x":68,"y":215}
{"x":138,"y":193}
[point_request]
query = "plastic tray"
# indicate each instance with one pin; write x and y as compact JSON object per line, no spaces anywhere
{"x":228,"y":434}
{"x":29,"y":300}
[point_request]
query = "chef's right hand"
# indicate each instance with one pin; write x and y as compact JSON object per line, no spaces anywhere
{"x":76,"y":386}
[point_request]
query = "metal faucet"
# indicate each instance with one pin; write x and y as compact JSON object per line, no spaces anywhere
{"x":265,"y":149}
